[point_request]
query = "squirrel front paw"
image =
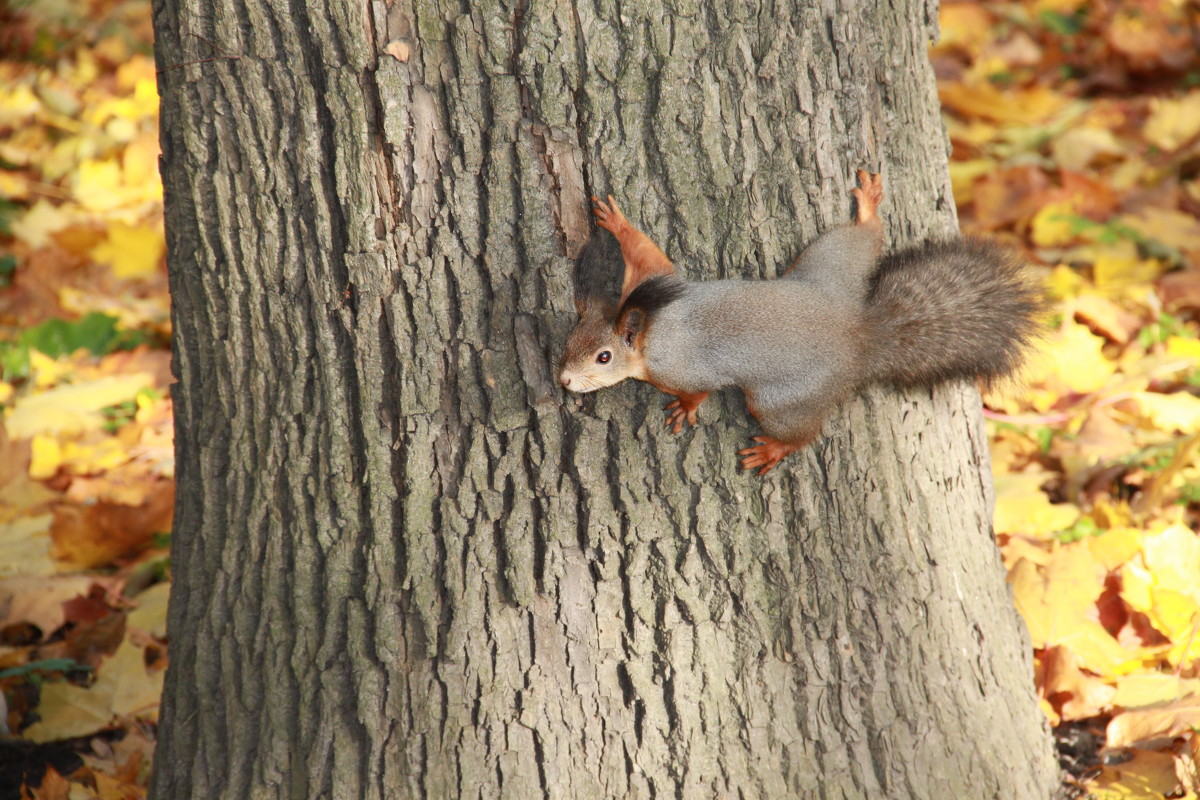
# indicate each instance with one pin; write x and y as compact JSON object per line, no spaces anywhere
{"x":767,"y":454}
{"x":683,"y":409}
{"x":608,"y":215}
{"x":869,"y":196}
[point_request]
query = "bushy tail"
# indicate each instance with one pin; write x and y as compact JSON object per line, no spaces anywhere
{"x":958,"y":309}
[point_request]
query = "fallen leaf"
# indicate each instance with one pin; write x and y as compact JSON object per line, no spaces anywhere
{"x":1169,"y":719}
{"x":1078,"y":148}
{"x":151,"y":612}
{"x":1153,"y":688}
{"x":1035,"y":104}
{"x":39,"y":600}
{"x":69,"y":711}
{"x":1023,"y":508}
{"x":25,"y":547}
{"x":97,"y":534}
{"x":131,"y":251}
{"x":1075,"y":693}
{"x":135,"y":693}
{"x":74,"y":408}
{"x":1173,"y":122}
{"x":1146,"y":775}
{"x":53,"y":787}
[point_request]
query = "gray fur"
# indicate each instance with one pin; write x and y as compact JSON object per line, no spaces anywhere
{"x":841,"y":319}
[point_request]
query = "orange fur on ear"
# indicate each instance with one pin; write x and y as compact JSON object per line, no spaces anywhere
{"x":643,"y":258}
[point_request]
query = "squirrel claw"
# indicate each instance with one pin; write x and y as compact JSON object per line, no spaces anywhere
{"x":765,"y":455}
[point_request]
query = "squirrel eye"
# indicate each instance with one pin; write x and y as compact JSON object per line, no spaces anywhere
{"x":604,"y":357}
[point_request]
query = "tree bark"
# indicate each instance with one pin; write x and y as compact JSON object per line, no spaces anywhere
{"x":406,"y":565}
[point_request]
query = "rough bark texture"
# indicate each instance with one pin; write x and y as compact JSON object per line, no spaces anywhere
{"x":406,"y":566}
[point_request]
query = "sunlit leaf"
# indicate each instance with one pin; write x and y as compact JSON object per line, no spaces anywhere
{"x":74,"y":408}
{"x":1173,"y":122}
{"x":131,"y":251}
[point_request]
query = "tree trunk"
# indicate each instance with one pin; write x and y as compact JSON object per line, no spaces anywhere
{"x":406,"y":565}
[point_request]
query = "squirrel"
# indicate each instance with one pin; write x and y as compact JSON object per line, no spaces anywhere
{"x":840,"y":317}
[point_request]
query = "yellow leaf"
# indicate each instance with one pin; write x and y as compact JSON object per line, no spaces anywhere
{"x":68,"y":712}
{"x":1173,"y":122}
{"x":134,"y":692}
{"x":1078,"y":359}
{"x":963,"y":175}
{"x":13,"y":186}
{"x":1173,"y":613}
{"x":1185,"y":348}
{"x":1152,"y":688}
{"x":74,"y":408}
{"x":1117,"y":271}
{"x":1137,"y":587}
{"x":1023,"y":508}
{"x":48,"y":371}
{"x":1058,"y":603}
{"x":98,"y":185}
{"x":1029,"y":596}
{"x":18,"y":105}
{"x":6,"y":392}
{"x":1177,"y":411}
{"x":1026,"y":106}
{"x":46,"y":457}
{"x":135,"y":72}
{"x":1146,"y":775}
{"x":96,"y":456}
{"x":151,"y":612}
{"x":141,"y":166}
{"x":1054,"y":225}
{"x":1065,"y":282}
{"x":1114,"y":547}
{"x":132,"y":252}
{"x":1073,"y":582}
{"x":966,"y":25}
{"x":1098,"y":651}
{"x":1173,"y":558}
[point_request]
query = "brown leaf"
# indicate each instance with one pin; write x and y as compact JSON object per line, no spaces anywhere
{"x":1179,"y":290}
{"x":53,"y":787}
{"x":1074,"y":693}
{"x":39,"y":600}
{"x":1167,"y":720}
{"x":96,"y":535}
{"x":1009,"y":196}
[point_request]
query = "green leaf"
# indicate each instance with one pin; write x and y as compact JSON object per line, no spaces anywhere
{"x":1062,"y":24}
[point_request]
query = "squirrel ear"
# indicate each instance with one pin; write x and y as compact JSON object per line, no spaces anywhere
{"x":631,"y":325}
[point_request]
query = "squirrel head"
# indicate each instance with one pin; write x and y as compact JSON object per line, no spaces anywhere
{"x":604,"y":349}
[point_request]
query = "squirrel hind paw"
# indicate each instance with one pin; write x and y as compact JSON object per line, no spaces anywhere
{"x":869,"y":196}
{"x":766,"y":454}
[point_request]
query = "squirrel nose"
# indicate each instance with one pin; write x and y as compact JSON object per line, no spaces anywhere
{"x":565,"y":380}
